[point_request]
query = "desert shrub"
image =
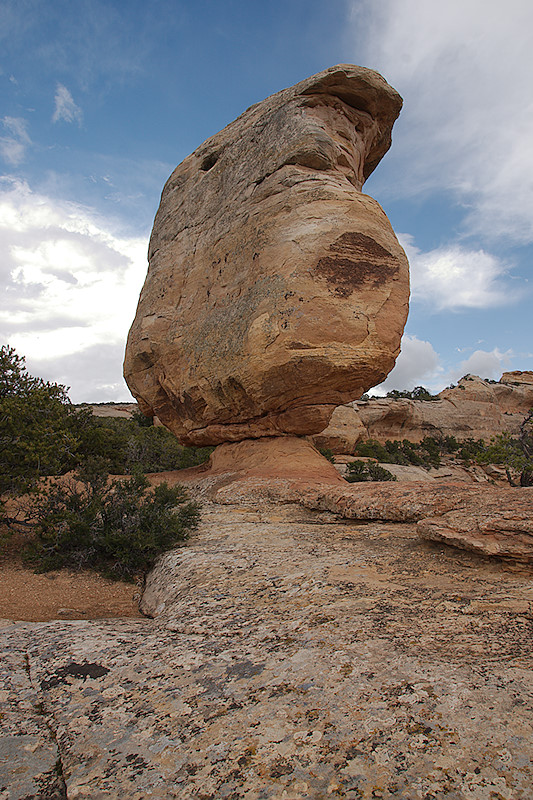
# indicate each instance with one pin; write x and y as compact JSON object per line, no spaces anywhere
{"x":117,"y":528}
{"x":425,"y":454}
{"x":327,"y":453}
{"x":371,"y":448}
{"x":404,"y":452}
{"x":448,"y":444}
{"x":471,"y":449}
{"x":127,"y":445}
{"x":433,"y":448}
{"x":359,"y":471}
{"x":42,"y":434}
{"x":142,"y":420}
{"x":503,"y":449}
{"x":38,"y":426}
{"x":418,"y":393}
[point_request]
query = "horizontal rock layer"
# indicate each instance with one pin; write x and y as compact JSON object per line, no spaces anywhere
{"x":475,"y":408}
{"x":489,"y":520}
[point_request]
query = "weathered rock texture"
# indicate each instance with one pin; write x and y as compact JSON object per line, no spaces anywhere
{"x":491,"y":521}
{"x":500,"y":525}
{"x":272,"y":457}
{"x":494,"y":521}
{"x":276,"y":290}
{"x":475,"y":408}
{"x":287,"y":660}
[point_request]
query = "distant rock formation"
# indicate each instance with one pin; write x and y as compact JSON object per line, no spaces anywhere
{"x":475,"y":408}
{"x":276,"y":290}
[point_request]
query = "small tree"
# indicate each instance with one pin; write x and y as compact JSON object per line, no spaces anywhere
{"x":418,"y":393}
{"x":117,"y":528}
{"x":359,"y":471}
{"x":37,"y":426}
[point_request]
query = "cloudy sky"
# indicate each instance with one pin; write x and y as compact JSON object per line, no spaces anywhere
{"x":100,"y":100}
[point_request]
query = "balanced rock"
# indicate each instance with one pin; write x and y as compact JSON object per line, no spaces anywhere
{"x":276,"y":289}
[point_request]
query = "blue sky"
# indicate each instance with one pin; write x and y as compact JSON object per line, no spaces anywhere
{"x":101,"y":100}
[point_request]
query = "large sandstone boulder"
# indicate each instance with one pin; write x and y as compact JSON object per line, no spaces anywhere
{"x":276,"y":290}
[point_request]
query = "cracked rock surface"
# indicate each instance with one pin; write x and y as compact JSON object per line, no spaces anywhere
{"x":290,"y":656}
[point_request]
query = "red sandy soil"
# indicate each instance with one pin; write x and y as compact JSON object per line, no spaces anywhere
{"x":61,"y":594}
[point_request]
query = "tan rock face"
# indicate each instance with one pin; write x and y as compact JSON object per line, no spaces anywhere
{"x":276,"y":290}
{"x":272,"y":457}
{"x":475,"y":408}
{"x":481,"y":518}
{"x":343,"y":432}
{"x":497,"y":524}
{"x":518,"y":376}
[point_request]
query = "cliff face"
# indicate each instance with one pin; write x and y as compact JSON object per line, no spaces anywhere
{"x":475,"y":408}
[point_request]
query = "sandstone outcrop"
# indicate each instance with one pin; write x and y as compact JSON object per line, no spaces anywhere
{"x":276,"y":289}
{"x":272,"y":457}
{"x":475,"y":408}
{"x":501,"y":525}
{"x":517,"y":377}
{"x":392,"y":502}
{"x":480,"y":517}
{"x":288,"y":658}
{"x":344,"y":430}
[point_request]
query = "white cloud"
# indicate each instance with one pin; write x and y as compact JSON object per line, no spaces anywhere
{"x":71,"y":284}
{"x":417,"y":365}
{"x":104,"y":384}
{"x":14,"y":144}
{"x":420,"y":365}
{"x":483,"y":363}
{"x":454,"y":277}
{"x":65,"y":107}
{"x":465,"y":70}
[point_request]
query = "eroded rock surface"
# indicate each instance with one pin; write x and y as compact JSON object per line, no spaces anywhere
{"x":290,"y":657}
{"x":482,"y":518}
{"x":475,"y":408}
{"x":271,"y":457}
{"x":501,"y":525}
{"x":276,"y":289}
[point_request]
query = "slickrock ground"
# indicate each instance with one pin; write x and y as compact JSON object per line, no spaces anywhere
{"x":291,"y":656}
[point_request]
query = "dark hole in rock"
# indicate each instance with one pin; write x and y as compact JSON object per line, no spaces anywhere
{"x":209,"y":161}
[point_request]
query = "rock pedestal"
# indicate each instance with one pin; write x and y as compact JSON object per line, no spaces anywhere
{"x":276,"y":290}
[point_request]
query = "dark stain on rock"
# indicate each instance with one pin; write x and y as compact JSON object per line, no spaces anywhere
{"x":244,"y":669}
{"x":73,"y":670}
{"x":356,"y":260}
